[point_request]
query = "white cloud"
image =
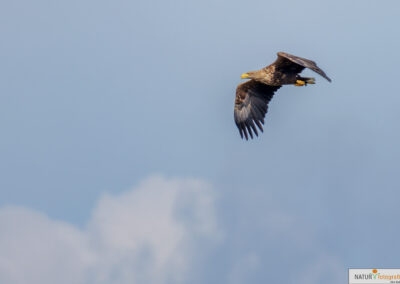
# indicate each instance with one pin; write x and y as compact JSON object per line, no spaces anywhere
{"x":140,"y":236}
{"x":35,"y":249}
{"x":166,"y":231}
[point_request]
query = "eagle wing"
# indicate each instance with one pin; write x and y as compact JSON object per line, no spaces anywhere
{"x":288,"y":62}
{"x":251,"y":105}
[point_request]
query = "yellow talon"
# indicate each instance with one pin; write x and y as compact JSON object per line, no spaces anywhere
{"x":300,"y":83}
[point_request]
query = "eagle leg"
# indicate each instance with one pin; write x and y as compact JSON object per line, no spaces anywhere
{"x":300,"y":83}
{"x":303,"y":81}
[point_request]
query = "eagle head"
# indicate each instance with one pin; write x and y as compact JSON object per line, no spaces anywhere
{"x":249,"y":75}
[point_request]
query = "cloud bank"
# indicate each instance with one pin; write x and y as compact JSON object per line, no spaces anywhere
{"x":144,"y":235}
{"x":163,"y":231}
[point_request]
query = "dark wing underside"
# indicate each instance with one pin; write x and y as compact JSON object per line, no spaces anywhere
{"x":290,"y":63}
{"x":251,"y":105}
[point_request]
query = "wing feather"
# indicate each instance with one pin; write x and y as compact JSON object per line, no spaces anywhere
{"x":285,"y":58}
{"x":251,"y":105}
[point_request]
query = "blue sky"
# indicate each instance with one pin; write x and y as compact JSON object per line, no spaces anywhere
{"x":100,"y":100}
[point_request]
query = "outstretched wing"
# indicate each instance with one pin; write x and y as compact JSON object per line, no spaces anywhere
{"x":286,"y":60}
{"x":251,"y":105}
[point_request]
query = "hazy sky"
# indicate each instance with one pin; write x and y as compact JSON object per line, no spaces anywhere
{"x":120,"y":161}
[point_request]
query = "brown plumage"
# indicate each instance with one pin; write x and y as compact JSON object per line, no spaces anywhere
{"x":252,"y":97}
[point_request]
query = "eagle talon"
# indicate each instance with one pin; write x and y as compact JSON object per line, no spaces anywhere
{"x":300,"y":83}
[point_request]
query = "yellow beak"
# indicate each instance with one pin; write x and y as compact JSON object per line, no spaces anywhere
{"x":244,"y":76}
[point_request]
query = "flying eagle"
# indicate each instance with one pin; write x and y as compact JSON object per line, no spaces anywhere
{"x":252,"y":97}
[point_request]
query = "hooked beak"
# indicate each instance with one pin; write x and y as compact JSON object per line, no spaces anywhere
{"x":244,"y":76}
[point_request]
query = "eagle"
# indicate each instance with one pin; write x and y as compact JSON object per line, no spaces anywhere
{"x":253,"y":96}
